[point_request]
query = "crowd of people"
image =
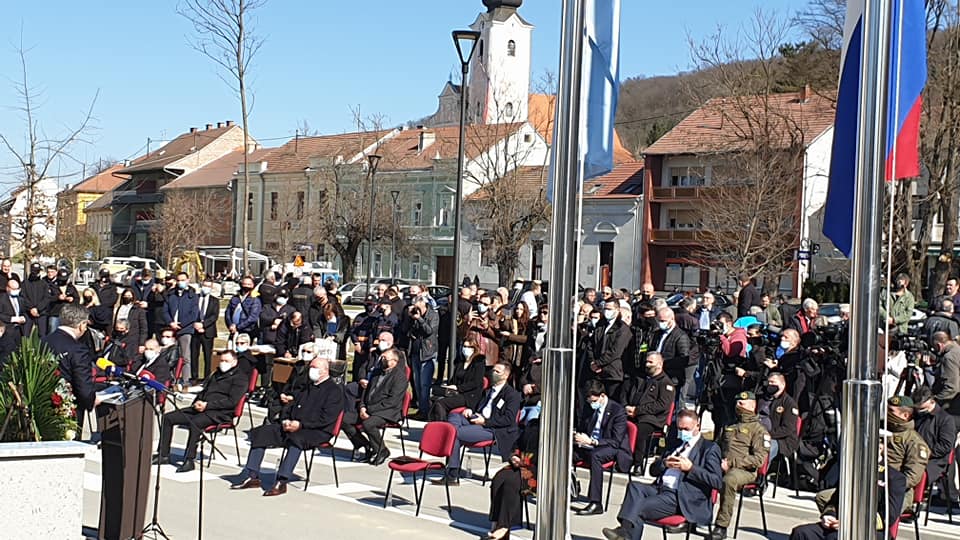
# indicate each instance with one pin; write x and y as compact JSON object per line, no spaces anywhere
{"x":767,"y":371}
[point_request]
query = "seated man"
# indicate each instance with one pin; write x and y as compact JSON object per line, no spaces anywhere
{"x":648,"y":402}
{"x":123,"y":346}
{"x":686,"y":476}
{"x":292,"y":334}
{"x":937,"y":429}
{"x":601,"y":437}
{"x":169,"y":350}
{"x":779,"y":416}
{"x":150,"y":361}
{"x":906,"y":450}
{"x":745,"y":446}
{"x":213,"y":405}
{"x":307,"y":424}
{"x":245,"y":360}
{"x":494,"y":418}
{"x":829,"y":525}
{"x":381,"y":403}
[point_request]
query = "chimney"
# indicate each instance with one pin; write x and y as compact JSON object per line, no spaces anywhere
{"x":193,"y":130}
{"x":427,"y":138}
{"x":209,"y":127}
{"x":219,"y":125}
{"x":805,"y":93}
{"x":229,"y":123}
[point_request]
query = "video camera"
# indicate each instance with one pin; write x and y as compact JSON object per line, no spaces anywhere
{"x":910,"y":343}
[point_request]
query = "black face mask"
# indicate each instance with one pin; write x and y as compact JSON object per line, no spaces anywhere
{"x":126,"y":300}
{"x":61,"y":282}
{"x":772,"y":389}
{"x":755,"y":341}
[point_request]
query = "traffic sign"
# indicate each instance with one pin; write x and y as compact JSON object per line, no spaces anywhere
{"x":298,"y":262}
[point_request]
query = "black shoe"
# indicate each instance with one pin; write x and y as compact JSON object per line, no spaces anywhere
{"x":380,"y":457}
{"x":187,"y":466}
{"x":677,"y":529}
{"x":446,"y":480}
{"x":592,"y":509}
{"x":614,"y":534}
{"x":719,"y":533}
{"x":160,"y":460}
{"x":637,"y":470}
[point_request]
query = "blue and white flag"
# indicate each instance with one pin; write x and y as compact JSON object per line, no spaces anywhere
{"x":600,"y":86}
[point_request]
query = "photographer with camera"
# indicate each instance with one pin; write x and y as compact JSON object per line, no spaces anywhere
{"x":946,"y":380}
{"x":424,"y":323}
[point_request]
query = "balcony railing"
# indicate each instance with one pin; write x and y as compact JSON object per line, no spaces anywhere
{"x":677,"y":235}
{"x":132,"y":197}
{"x":667,"y":193}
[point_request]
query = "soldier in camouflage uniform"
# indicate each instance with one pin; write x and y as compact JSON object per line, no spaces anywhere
{"x":906,"y":450}
{"x":745,"y":446}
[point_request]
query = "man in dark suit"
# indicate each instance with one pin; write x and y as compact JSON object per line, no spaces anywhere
{"x":151,"y":361}
{"x":106,"y":289}
{"x":674,"y":344}
{"x":938,"y":430}
{"x":648,"y":402}
{"x":74,"y":358}
{"x":749,"y":296}
{"x":13,"y":311}
{"x":37,"y":298}
{"x":307,"y":424}
{"x":204,"y":330}
{"x":686,"y":475}
{"x":610,"y":342}
{"x":214,"y":405}
{"x":123,"y":346}
{"x":293,"y":333}
{"x":381,"y":402}
{"x":179,"y":313}
{"x":601,"y":437}
{"x":494,"y":418}
{"x":779,"y":415}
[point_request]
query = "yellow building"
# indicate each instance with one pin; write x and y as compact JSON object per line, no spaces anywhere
{"x":72,"y":202}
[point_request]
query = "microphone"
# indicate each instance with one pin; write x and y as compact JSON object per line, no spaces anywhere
{"x":114,"y":370}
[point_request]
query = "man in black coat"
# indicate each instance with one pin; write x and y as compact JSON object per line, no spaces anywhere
{"x":106,"y":290}
{"x":74,"y":358}
{"x":64,"y":294}
{"x":214,"y":405}
{"x":13,"y":310}
{"x":494,"y":418}
{"x":381,"y":403}
{"x":204,"y":330}
{"x":293,"y":333}
{"x":648,"y":403}
{"x":779,"y":414}
{"x":610,"y":342}
{"x":601,"y":437}
{"x":938,"y":430}
{"x":686,"y":475}
{"x":123,"y":347}
{"x":674,"y":344}
{"x":308,"y":423}
{"x":37,"y":297}
{"x":149,"y":296}
{"x":749,"y":296}
{"x":151,"y":361}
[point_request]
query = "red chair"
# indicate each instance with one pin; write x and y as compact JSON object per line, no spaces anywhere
{"x":612,"y":464}
{"x":791,"y":466}
{"x":678,"y":520}
{"x":758,"y":485}
{"x":437,"y":440}
{"x":177,"y":372}
{"x":914,"y":512}
{"x":232,"y":425}
{"x":487,"y":448}
{"x":657,"y":436}
{"x":945,"y":484}
{"x":251,"y":388}
{"x":308,"y":462}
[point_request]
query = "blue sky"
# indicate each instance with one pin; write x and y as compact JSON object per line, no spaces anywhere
{"x":320,"y":58}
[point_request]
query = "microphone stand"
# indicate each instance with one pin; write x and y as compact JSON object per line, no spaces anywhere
{"x":154,"y":525}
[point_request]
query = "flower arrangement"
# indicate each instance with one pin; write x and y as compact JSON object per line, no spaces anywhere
{"x":36,"y":403}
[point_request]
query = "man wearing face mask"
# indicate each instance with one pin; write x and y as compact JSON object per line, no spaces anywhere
{"x":674,"y":345}
{"x":245,"y":360}
{"x":36,"y":297}
{"x":610,"y":341}
{"x":169,"y":353}
{"x":293,"y":333}
{"x":902,"y":303}
{"x":907,"y":452}
{"x":648,"y":402}
{"x":205,"y":329}
{"x":13,"y":311}
{"x":937,"y":429}
{"x":744,"y":447}
{"x":779,"y":415}
{"x":789,"y":360}
{"x":380,"y":403}
{"x":106,"y":289}
{"x":363,"y":333}
{"x":601,"y":437}
{"x":686,"y":475}
{"x":243,"y":311}
{"x":308,"y":423}
{"x":74,"y":358}
{"x":213,"y":405}
{"x":150,"y":361}
{"x":64,"y":294}
{"x":179,"y":313}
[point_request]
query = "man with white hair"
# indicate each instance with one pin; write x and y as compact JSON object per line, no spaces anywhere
{"x":804,"y":320}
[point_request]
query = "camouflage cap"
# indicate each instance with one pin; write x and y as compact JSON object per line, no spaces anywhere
{"x":746,"y":395}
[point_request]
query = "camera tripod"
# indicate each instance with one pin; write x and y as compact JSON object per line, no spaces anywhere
{"x":910,"y":379}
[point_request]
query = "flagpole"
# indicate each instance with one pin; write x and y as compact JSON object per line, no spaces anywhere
{"x":566,"y":172}
{"x":862,"y":391}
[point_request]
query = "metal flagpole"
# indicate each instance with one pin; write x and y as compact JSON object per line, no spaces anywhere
{"x":862,"y":391}
{"x":566,"y":173}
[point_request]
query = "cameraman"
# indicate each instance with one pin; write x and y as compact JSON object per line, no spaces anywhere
{"x":422,"y":331}
{"x":946,"y":381}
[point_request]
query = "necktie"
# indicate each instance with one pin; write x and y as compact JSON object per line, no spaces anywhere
{"x":682,"y":449}
{"x":16,"y":306}
{"x":203,"y":306}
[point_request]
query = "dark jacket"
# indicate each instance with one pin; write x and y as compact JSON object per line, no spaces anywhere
{"x":503,"y":417}
{"x":946,"y":383}
{"x":940,"y":322}
{"x":749,"y":296}
{"x":469,"y":379}
{"x":780,"y":416}
{"x":690,"y":325}
{"x":675,"y":351}
{"x":609,"y":346}
{"x":613,"y":431}
{"x":136,"y":323}
{"x":222,"y":392}
{"x":268,"y":315}
{"x":652,"y":397}
{"x":289,"y":339}
{"x":182,"y":306}
{"x":385,"y":391}
{"x":69,"y":291}
{"x":76,"y":366}
{"x":532,"y":375}
{"x":316,"y":407}
{"x":249,"y":314}
{"x":37,"y":294}
{"x":122,"y":349}
{"x":210,"y":315}
{"x":159,"y":368}
{"x":940,"y":433}
{"x":694,"y":491}
{"x":106,"y":292}
{"x":7,"y":313}
{"x":423,"y":335}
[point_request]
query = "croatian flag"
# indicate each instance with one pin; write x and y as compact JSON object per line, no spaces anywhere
{"x":908,"y":75}
{"x":601,"y":85}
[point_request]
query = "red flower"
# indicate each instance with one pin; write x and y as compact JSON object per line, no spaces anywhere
{"x":56,"y":399}
{"x":56,"y":372}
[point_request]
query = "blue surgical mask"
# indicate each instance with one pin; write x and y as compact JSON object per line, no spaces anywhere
{"x":182,"y":285}
{"x":663,"y":325}
{"x":685,"y":436}
{"x":595,"y":405}
{"x":242,"y":348}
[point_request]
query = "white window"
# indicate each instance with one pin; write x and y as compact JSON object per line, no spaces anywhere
{"x":686,"y":176}
{"x":508,"y":110}
{"x":511,"y":48}
{"x":444,"y":212}
{"x":377,"y":263}
{"x":417,"y":214}
{"x":415,"y":267}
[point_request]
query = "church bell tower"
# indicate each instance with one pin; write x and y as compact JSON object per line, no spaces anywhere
{"x":500,"y":68}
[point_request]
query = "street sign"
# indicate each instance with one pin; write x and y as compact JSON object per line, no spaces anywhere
{"x":298,"y":262}
{"x":803,"y":255}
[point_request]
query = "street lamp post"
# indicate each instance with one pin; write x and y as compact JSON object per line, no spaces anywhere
{"x":465,"y":41}
{"x":393,"y":250}
{"x":372,"y":160}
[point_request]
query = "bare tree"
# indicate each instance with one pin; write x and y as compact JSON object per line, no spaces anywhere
{"x":184,"y":220}
{"x":35,"y":164}
{"x":73,"y":243}
{"x":224,"y":36}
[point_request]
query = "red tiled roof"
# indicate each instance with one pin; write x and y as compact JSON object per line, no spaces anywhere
{"x":720,"y":124}
{"x":625,"y":180}
{"x":402,"y":152}
{"x":295,"y":155}
{"x":540,"y":111}
{"x":182,"y":146}
{"x":101,"y":182}
{"x":217,"y":173}
{"x":531,"y":180}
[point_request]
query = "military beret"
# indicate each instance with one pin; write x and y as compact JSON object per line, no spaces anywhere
{"x":746,"y":395}
{"x":900,"y":401}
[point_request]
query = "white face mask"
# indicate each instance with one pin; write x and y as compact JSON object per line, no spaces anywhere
{"x":167,"y":341}
{"x":467,"y":352}
{"x":225,"y":366}
{"x":610,"y":314}
{"x":784,"y":344}
{"x":314,"y":374}
{"x":664,"y":325}
{"x":482,"y":308}
{"x":151,"y":355}
{"x":383,"y":345}
{"x":307,"y":356}
{"x":281,"y":300}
